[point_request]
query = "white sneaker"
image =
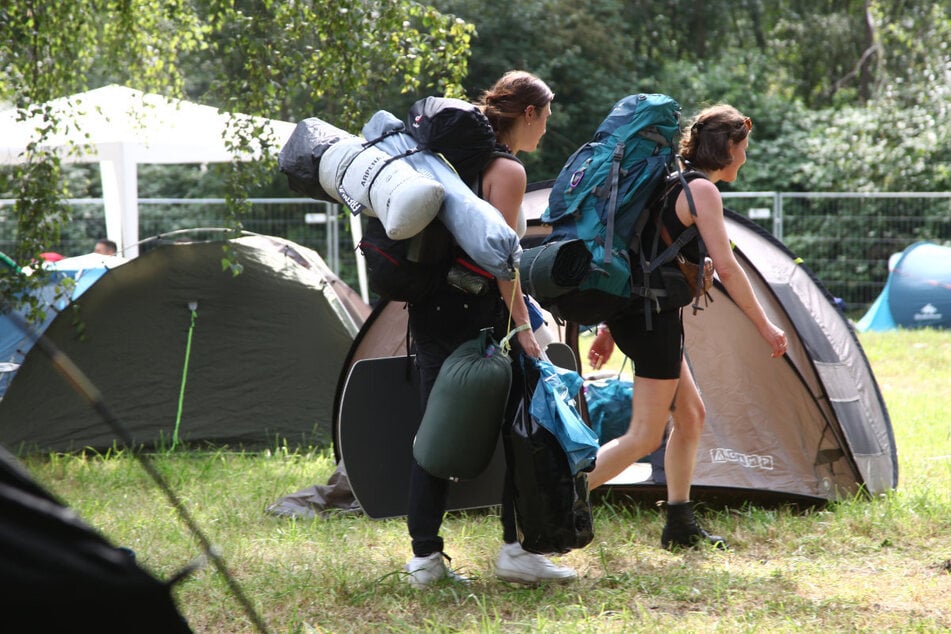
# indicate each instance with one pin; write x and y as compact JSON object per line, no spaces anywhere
{"x":424,"y":571}
{"x":520,"y":566}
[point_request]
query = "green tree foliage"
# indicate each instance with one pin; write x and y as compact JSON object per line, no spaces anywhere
{"x":257,"y":57}
{"x":48,"y":50}
{"x":845,"y":95}
{"x":900,"y":138}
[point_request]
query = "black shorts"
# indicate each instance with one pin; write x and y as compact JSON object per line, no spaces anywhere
{"x":656,"y":353}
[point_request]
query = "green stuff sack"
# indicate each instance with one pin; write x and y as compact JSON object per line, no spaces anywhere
{"x":463,"y":417}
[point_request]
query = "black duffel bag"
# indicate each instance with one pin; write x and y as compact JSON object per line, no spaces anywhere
{"x":552,"y":506}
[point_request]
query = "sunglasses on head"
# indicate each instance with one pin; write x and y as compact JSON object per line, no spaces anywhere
{"x":745,"y":123}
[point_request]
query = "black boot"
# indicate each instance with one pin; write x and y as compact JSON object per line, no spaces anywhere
{"x":682,"y":529}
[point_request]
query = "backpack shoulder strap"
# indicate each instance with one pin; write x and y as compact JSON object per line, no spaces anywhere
{"x":679,"y":180}
{"x":500,"y":151}
{"x":675,"y":246}
{"x":676,"y":180}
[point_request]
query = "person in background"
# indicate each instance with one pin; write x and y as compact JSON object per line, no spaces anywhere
{"x":714,"y":145}
{"x":518,"y":106}
{"x":105,"y":247}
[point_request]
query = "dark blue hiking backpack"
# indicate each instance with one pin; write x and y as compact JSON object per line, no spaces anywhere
{"x":602,"y":196}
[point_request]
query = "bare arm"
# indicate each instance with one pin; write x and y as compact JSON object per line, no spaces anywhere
{"x":712,"y":229}
{"x":503,"y":186}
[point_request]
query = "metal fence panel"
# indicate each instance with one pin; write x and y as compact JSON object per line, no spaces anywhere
{"x":845,"y":238}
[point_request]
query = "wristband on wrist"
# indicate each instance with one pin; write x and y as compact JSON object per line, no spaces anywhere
{"x":506,"y":346}
{"x":519,"y":329}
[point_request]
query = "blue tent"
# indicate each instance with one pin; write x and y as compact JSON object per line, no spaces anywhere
{"x":917,"y":293}
{"x":54,"y":296}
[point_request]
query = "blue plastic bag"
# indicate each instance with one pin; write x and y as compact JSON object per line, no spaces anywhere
{"x":609,"y":407}
{"x":554,"y":407}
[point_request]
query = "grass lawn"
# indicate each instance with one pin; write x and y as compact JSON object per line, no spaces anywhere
{"x":859,"y":565}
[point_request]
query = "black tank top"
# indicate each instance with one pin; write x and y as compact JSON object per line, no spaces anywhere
{"x":500,"y":151}
{"x":675,"y":227}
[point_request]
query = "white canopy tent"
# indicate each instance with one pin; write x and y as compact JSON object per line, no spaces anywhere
{"x":119,"y":127}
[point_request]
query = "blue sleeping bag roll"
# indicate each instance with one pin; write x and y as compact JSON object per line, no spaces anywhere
{"x":477,"y":226}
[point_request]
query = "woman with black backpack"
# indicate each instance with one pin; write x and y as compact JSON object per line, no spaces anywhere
{"x":517,"y":106}
{"x":714,"y":148}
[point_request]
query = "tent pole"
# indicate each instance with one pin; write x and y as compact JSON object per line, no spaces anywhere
{"x":356,"y":230}
{"x":120,"y":185}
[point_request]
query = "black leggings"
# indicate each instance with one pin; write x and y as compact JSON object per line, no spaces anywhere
{"x":438,"y":327}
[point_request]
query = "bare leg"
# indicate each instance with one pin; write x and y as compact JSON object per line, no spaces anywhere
{"x":650,"y":410}
{"x":680,"y":457}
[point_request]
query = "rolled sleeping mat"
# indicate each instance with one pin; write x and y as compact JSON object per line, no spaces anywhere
{"x":300,"y":157}
{"x":478,"y":227}
{"x":368,"y":180}
{"x":460,"y":427}
{"x":553,"y":269}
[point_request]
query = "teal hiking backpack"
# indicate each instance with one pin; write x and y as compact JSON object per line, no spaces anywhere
{"x":603,"y":196}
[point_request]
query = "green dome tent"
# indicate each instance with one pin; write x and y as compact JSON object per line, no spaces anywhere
{"x":179,"y":347}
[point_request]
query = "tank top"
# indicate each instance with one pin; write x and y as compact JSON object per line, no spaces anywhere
{"x":675,"y":227}
{"x":501,"y":151}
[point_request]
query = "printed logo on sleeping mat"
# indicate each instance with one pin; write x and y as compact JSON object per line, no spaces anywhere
{"x":750,"y":461}
{"x":352,"y":203}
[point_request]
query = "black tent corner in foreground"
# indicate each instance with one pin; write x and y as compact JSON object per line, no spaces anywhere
{"x":57,"y":574}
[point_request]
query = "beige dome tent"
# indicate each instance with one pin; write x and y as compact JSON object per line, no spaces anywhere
{"x":810,"y":428}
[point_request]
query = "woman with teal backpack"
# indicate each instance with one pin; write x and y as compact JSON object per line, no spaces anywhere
{"x":714,"y":147}
{"x":518,"y":107}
